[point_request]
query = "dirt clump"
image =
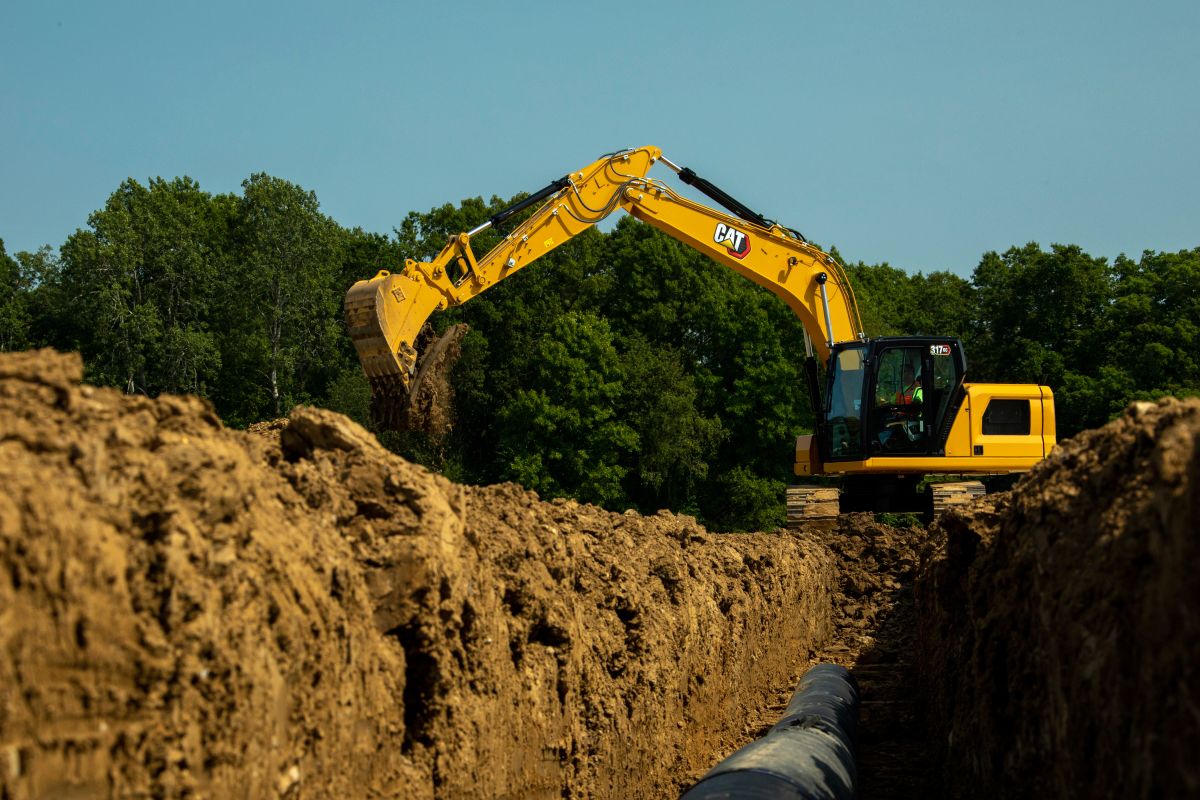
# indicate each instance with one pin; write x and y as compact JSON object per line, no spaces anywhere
{"x":431,"y":405}
{"x":427,"y":407}
{"x":269,"y":429}
{"x":187,"y":610}
{"x":1060,"y":622}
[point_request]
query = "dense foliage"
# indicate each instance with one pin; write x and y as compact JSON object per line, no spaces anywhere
{"x":624,"y":369}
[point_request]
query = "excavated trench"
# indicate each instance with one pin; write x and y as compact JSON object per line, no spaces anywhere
{"x":191,"y":611}
{"x":1043,"y":642}
{"x":874,"y":636}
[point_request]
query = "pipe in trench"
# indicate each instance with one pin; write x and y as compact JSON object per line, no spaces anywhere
{"x":807,"y":755}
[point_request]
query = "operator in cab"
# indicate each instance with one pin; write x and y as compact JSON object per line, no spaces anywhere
{"x":902,"y":429}
{"x":910,"y":387}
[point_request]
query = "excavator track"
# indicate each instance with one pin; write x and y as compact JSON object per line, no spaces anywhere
{"x":809,"y":505}
{"x":945,"y":496}
{"x":821,"y":505}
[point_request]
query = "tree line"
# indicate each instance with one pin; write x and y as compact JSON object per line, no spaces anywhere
{"x":623,"y":369}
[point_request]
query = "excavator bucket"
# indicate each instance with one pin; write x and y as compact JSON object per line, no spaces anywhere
{"x":405,"y":363}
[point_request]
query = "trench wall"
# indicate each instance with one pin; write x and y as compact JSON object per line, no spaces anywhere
{"x":1059,"y":623}
{"x":187,"y":610}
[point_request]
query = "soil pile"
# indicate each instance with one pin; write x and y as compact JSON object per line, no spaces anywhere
{"x":1060,"y":622}
{"x":187,"y":610}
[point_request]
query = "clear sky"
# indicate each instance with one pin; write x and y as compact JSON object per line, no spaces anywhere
{"x":918,"y":133}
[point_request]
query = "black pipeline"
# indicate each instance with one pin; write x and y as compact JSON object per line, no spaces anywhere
{"x":807,"y":755}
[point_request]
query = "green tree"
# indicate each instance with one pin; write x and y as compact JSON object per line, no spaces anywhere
{"x":623,"y":368}
{"x":885,"y":297}
{"x":676,"y":440}
{"x":740,"y":345}
{"x":1154,"y":321}
{"x":1040,"y":319}
{"x":1039,"y":313}
{"x":894,"y":303}
{"x":142,"y":278}
{"x":561,"y":435}
{"x":502,"y":355}
{"x":14,"y":312}
{"x":282,"y":300}
{"x":53,"y":321}
{"x":942,"y":305}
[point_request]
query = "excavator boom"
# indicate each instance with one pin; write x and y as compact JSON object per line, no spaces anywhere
{"x":387,"y":313}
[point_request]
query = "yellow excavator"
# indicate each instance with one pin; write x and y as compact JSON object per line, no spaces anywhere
{"x":891,"y":411}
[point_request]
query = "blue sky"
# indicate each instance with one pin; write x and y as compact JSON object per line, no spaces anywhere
{"x":921,"y":133}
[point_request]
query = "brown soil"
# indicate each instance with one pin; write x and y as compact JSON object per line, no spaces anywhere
{"x":1060,"y":623}
{"x":269,"y":430}
{"x":192,"y":611}
{"x":428,"y":406}
{"x":187,"y":610}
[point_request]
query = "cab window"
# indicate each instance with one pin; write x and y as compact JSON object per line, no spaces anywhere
{"x":898,"y":381}
{"x":898,"y":419}
{"x":843,"y":428}
{"x":1006,"y":418}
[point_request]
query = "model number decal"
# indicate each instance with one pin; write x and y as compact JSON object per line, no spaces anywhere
{"x":735,"y":241}
{"x":939,"y":349}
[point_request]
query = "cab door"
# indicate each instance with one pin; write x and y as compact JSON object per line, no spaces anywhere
{"x":916,"y":384}
{"x":898,"y":424}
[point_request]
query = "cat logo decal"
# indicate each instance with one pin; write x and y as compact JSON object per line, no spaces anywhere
{"x":736,"y":242}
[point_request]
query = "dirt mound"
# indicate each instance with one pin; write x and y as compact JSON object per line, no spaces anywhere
{"x":172,"y":619}
{"x":1060,"y":622}
{"x":191,"y":610}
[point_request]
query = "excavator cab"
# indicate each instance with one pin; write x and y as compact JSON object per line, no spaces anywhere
{"x":891,"y":396}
